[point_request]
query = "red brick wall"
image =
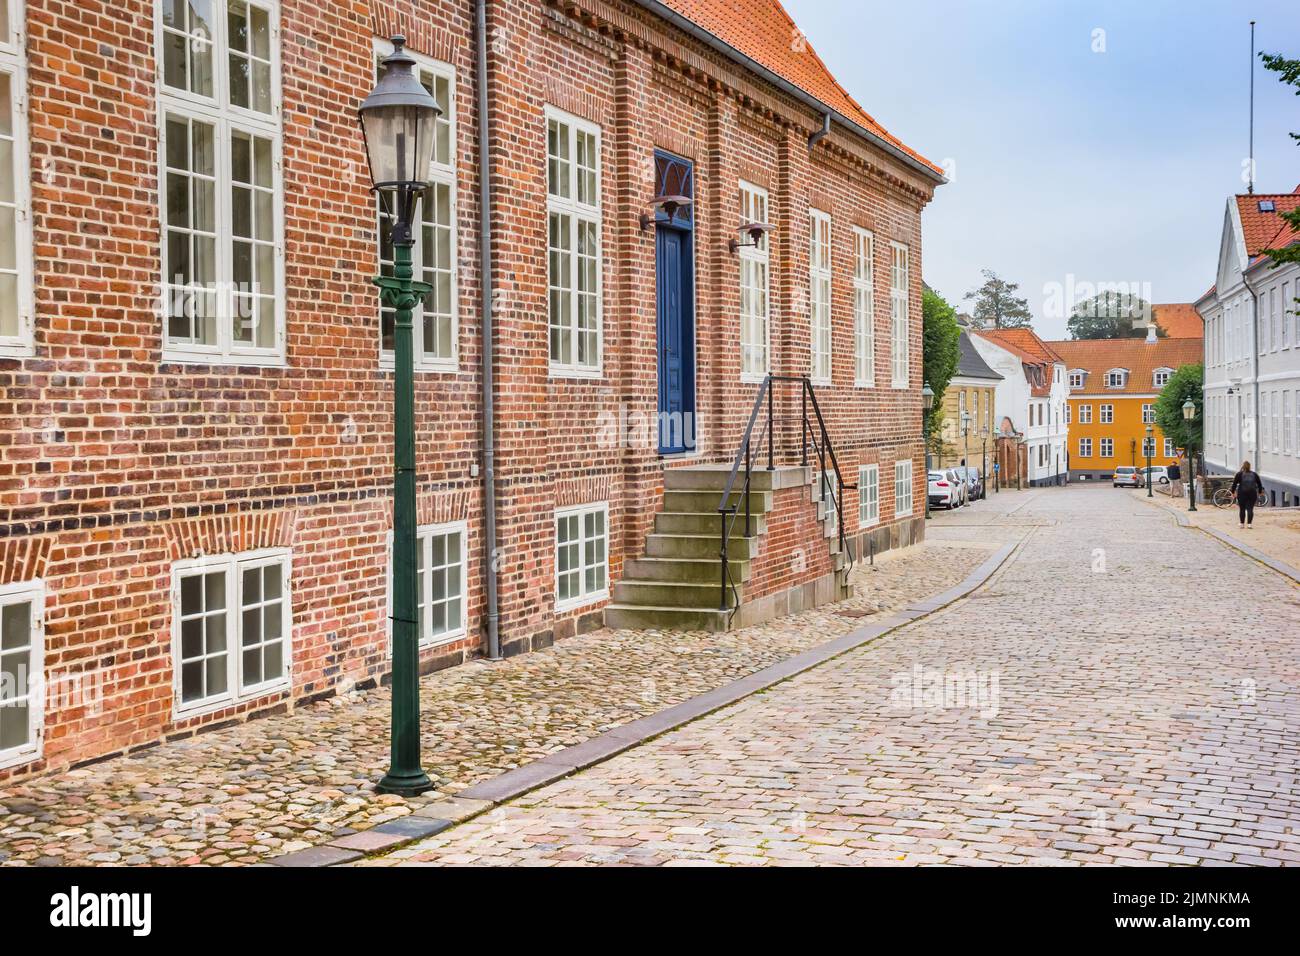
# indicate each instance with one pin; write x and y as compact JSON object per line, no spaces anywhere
{"x":113,"y":463}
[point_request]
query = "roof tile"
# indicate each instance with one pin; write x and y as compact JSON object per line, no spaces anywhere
{"x":1140,"y":357}
{"x":1179,"y":320}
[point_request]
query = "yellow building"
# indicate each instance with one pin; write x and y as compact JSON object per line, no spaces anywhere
{"x":1113,"y":385}
{"x":969,"y":393}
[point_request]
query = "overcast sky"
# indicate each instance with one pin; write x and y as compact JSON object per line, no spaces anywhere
{"x":1106,"y":166}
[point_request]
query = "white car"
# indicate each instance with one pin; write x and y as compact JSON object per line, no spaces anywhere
{"x":944,"y":490}
{"x":1156,"y":474}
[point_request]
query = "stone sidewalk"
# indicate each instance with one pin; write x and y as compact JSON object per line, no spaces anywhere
{"x":255,"y":791}
{"x":1131,"y":697}
{"x":1275,"y":531}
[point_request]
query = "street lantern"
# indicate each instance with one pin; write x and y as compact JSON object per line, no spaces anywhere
{"x":927,"y":397}
{"x":1189,"y":414}
{"x":398,"y":122}
{"x":1148,"y":446}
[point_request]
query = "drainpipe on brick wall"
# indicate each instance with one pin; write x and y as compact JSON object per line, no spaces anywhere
{"x":822,"y":133}
{"x":485,"y":295}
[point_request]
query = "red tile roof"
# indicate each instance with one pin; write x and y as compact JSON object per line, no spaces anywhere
{"x":1179,"y":320}
{"x":1140,"y":357}
{"x":1035,"y":355}
{"x":764,"y":32}
{"x":1264,"y":230}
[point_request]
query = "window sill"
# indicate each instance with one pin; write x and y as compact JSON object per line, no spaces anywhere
{"x":223,"y":359}
{"x":441,"y":367}
{"x":16,"y":350}
{"x":574,"y":372}
{"x":871,"y":383}
{"x":577,"y":604}
{"x":18,"y":756}
{"x":753,"y":378}
{"x":202,"y":708}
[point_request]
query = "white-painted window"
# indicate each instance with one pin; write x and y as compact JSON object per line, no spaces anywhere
{"x":819,"y":288}
{"x":1148,"y":413}
{"x":1085,"y":414}
{"x":868,"y":495}
{"x":1085,"y":447}
{"x":17,"y":310}
{"x":902,"y":488}
{"x":827,"y":490}
{"x":1161,"y":377}
{"x":864,"y":308}
{"x":1170,"y":451}
{"x":1115,"y":378}
{"x":899,"y":283}
{"x":1069,"y":414}
{"x":1276,"y":402}
{"x":1107,"y":414}
{"x":221,"y":191}
{"x":581,"y":555}
{"x":1076,"y":379}
{"x":22,"y":674}
{"x":231,"y":619}
{"x":574,"y":253}
{"x":1289,"y":310}
{"x":1289,"y":415}
{"x":755,"y":305}
{"x":1274,"y":332}
{"x":1148,"y":447}
{"x":441,"y":573}
{"x":1108,"y":448}
{"x":436,"y":318}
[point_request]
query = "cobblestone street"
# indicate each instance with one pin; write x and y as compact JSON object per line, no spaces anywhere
{"x":260,"y":789}
{"x":1123,"y":691}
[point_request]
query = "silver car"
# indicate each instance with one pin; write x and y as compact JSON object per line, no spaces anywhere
{"x":1126,"y":476}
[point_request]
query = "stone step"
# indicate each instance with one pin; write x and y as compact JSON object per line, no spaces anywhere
{"x":707,"y":523}
{"x":665,"y":618}
{"x":714,"y":478}
{"x":695,"y":570}
{"x":675,"y":594}
{"x":698,"y":546}
{"x":704,"y":502}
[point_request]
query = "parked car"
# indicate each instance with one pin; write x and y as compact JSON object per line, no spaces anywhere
{"x":1159,"y":474}
{"x":1126,"y":476}
{"x":943,"y":490}
{"x":974,"y":481}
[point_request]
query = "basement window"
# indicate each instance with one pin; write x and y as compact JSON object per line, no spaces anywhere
{"x":440,"y":591}
{"x":21,"y":671}
{"x":581,"y":556}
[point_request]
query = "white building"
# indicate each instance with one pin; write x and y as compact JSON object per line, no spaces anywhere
{"x":1030,"y":399}
{"x":1252,"y":348}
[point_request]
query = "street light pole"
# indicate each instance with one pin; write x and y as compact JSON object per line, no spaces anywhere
{"x":1148,"y":447}
{"x":927,"y":403}
{"x":1189,"y":415}
{"x":398,"y":124}
{"x":984,"y":461}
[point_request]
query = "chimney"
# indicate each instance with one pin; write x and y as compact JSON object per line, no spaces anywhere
{"x":1151,"y":332}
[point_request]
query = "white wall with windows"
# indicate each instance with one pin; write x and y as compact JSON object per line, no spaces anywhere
{"x":574,"y":252}
{"x":581,"y":555}
{"x":22,"y":671}
{"x":231,"y":628}
{"x":755,"y":299}
{"x":220,"y":173}
{"x":16,"y":264}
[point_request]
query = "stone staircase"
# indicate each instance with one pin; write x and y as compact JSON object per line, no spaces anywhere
{"x":677,"y":585}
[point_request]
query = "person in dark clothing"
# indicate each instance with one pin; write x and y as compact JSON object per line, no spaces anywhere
{"x":1246,"y":488}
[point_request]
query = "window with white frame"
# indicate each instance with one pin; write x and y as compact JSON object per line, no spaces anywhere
{"x":868,"y":495}
{"x":755,"y":306}
{"x":899,"y":282}
{"x":1085,"y":414}
{"x":819,"y":288}
{"x":1277,"y":421}
{"x":574,"y":255}
{"x":902,"y":488}
{"x":1108,"y":448}
{"x":827,"y":491}
{"x":16,"y":308}
{"x":1115,"y":378}
{"x":1170,"y":451}
{"x":581,"y":555}
{"x":440,"y":582}
{"x":1288,"y":416}
{"x":1076,"y":379}
{"x":1069,"y":413}
{"x":231,"y":619}
{"x":1107,"y":414}
{"x":22,"y":608}
{"x":221,"y":192}
{"x":1085,"y":447}
{"x":436,"y":317}
{"x":1148,"y":413}
{"x":1148,"y":447}
{"x":864,"y":308}
{"x":1162,"y":377}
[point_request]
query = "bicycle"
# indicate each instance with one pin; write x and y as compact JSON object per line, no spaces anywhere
{"x":1223,"y":498}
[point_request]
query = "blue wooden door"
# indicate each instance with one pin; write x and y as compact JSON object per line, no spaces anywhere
{"x":676,"y":340}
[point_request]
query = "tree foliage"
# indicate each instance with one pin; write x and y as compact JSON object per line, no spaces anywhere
{"x":1110,"y":315}
{"x":941,"y":351}
{"x":1182,"y":385}
{"x":997,"y":305}
{"x":1288,"y":71}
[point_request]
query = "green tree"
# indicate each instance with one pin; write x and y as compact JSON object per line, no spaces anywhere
{"x":1109,"y":315}
{"x":997,"y":305}
{"x":1182,"y":385}
{"x":1289,"y":73}
{"x":941,"y":351}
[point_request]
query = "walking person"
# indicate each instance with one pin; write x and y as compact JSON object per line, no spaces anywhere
{"x":1246,"y":489}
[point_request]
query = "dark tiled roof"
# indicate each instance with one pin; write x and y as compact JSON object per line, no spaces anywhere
{"x":972,"y":364}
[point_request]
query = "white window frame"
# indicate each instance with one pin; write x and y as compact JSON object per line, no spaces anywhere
{"x":821,"y":328}
{"x":903,"y":481}
{"x":900,"y":321}
{"x":868,"y":495}
{"x":440,"y":174}
{"x":1068,"y":413}
{"x":225,"y":118}
{"x":233,"y":565}
{"x":1085,"y":447}
{"x":864,"y":308}
{"x":1148,"y":443}
{"x":1116,"y":378}
{"x":1156,"y":379}
{"x":1107,"y":449}
{"x":33,"y":592}
{"x":1148,"y":413}
{"x":1085,"y":413}
{"x":1076,"y":379}
{"x":424,"y":536}
{"x":13,"y":61}
{"x":758,"y":257}
{"x":577,"y":213}
{"x":1106,"y":414}
{"x":584,"y":598}
{"x":1288,"y":422}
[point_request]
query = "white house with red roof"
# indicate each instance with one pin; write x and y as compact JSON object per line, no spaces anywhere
{"x":1252,"y":347}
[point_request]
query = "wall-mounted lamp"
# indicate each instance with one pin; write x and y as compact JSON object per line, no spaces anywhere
{"x":755,"y":230}
{"x":669,"y":204}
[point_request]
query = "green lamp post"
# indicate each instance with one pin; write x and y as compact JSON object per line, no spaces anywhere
{"x":927,"y":404}
{"x":398,"y":125}
{"x":1149,"y":446}
{"x":1189,"y":415}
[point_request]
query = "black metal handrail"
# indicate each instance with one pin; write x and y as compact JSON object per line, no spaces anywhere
{"x":751,"y":449}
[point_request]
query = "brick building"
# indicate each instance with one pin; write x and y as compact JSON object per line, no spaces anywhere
{"x":195,"y":412}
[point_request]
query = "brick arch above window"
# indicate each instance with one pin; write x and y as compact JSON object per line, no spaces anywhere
{"x":230,"y":533}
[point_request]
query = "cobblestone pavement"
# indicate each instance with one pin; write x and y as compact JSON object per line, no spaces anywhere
{"x":1131,"y":698}
{"x":1276,"y":530}
{"x":267,"y":787}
